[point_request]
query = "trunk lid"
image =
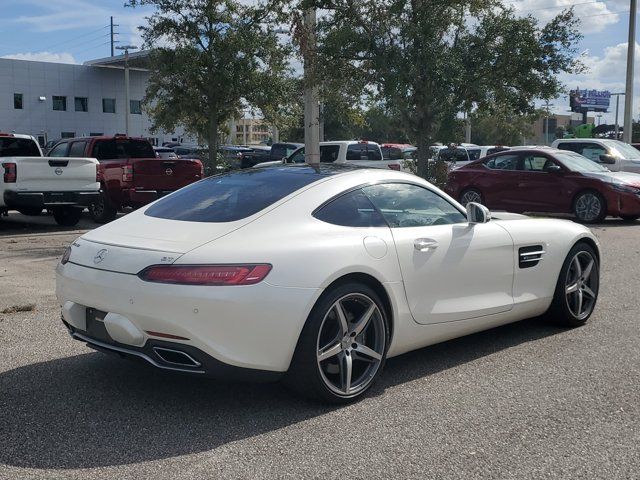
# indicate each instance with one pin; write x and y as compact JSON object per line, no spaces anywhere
{"x":39,"y":174}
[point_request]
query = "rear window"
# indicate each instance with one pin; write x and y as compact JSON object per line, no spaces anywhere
{"x":18,"y":147}
{"x":363,"y":151}
{"x":234,"y":196}
{"x":125,"y":148}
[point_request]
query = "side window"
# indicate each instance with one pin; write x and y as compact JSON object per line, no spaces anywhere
{"x":407,"y":205}
{"x":329,"y":153}
{"x":593,"y":152}
{"x":571,"y":146}
{"x":77,"y":149}
{"x":356,"y":152}
{"x":351,"y":210}
{"x":534,"y":163}
{"x":297,"y":157}
{"x":474,"y":153}
{"x":59,"y":150}
{"x":105,"y":150}
{"x":502,"y":162}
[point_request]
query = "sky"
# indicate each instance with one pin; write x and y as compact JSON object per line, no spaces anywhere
{"x":74,"y":31}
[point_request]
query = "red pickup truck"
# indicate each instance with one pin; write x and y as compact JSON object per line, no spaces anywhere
{"x":130,"y":174}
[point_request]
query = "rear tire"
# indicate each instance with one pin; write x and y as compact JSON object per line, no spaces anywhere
{"x":339,"y":356}
{"x":103,"y":211}
{"x":30,"y":211}
{"x":590,"y":207}
{"x":67,"y":216}
{"x":471,"y":195}
{"x":577,"y":288}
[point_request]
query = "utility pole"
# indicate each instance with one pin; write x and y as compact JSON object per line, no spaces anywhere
{"x":467,"y":128}
{"x":628,"y":99}
{"x":113,"y":40}
{"x":617,"y":125}
{"x":546,"y":122}
{"x":311,"y":92}
{"x":127,"y":106}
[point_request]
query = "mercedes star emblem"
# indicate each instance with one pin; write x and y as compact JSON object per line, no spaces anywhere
{"x":100,"y":256}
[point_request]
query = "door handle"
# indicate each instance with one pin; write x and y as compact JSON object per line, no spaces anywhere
{"x":424,"y":244}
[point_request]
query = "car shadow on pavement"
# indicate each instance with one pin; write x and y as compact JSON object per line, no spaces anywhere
{"x":95,"y":410}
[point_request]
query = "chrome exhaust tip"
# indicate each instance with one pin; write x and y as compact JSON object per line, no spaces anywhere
{"x":176,"y":357}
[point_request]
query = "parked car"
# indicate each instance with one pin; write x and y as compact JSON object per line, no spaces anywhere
{"x":362,"y":153}
{"x":550,"y":181}
{"x":129,"y":172}
{"x":617,"y":156}
{"x":374,"y":263}
{"x":165,"y":152}
{"x":464,"y":154}
{"x":276,"y":153}
{"x":398,"y":151}
{"x":31,"y":182}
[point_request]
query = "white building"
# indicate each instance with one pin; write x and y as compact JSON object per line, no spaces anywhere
{"x":56,"y":100}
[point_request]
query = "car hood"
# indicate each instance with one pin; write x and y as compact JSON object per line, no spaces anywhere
{"x":626,"y":178}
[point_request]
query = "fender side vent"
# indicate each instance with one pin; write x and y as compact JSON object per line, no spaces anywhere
{"x":530,"y":256}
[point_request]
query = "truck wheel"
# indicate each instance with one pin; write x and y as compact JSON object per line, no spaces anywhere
{"x":67,"y":216}
{"x":102,"y":211}
{"x":30,"y":211}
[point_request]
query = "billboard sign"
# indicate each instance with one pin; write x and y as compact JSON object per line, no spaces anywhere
{"x":589,"y":100}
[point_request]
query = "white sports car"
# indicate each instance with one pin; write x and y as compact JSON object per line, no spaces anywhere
{"x":315,"y":275}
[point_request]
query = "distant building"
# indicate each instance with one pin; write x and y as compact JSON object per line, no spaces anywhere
{"x":56,"y":100}
{"x":249,"y":131}
{"x":545,"y":134}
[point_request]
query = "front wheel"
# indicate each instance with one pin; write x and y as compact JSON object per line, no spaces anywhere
{"x":577,"y":288}
{"x":67,"y":216}
{"x":590,"y":207}
{"x":342,"y":348}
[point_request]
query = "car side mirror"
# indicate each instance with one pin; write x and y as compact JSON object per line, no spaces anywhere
{"x":477,"y":213}
{"x":284,"y":160}
{"x":553,"y":169}
{"x":607,"y":158}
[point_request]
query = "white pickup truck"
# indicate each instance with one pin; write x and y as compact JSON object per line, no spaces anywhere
{"x":362,"y":153}
{"x":30,"y":182}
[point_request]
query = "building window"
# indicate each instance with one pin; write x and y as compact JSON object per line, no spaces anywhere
{"x":67,"y":134}
{"x":96,"y":134}
{"x":17,"y":101}
{"x":135,"y":107}
{"x":59,"y":103}
{"x":82,"y":104}
{"x":109,"y":105}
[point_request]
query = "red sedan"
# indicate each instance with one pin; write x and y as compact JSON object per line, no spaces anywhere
{"x":547,"y":180}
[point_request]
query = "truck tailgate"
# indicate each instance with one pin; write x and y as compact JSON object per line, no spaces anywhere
{"x":164,"y":174}
{"x":54,"y":174}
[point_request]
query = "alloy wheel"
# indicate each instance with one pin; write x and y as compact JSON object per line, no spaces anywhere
{"x":471,"y":196}
{"x":581,"y":285}
{"x":588,"y":207}
{"x":351,"y":344}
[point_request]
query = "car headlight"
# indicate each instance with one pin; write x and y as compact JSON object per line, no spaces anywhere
{"x":619,"y":187}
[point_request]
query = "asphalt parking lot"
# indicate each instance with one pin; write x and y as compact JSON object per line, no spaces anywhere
{"x":526,"y":400}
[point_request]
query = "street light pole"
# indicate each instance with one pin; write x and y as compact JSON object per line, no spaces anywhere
{"x":311,"y":91}
{"x":127,"y":107}
{"x":628,"y":99}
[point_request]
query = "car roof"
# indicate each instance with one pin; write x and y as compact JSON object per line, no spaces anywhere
{"x":348,"y":142}
{"x":16,"y":135}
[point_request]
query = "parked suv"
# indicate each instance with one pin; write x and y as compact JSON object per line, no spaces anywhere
{"x":130,"y":174}
{"x":617,"y":156}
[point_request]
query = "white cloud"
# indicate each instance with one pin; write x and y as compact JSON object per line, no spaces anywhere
{"x":595,"y":16}
{"x":43,"y":57}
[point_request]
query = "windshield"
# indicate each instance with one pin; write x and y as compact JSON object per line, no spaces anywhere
{"x":577,"y":163}
{"x":18,"y":147}
{"x":624,"y":150}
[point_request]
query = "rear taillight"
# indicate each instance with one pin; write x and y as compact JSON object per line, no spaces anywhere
{"x":127,"y":173}
{"x":211,"y":275}
{"x":10,"y":172}
{"x":394,"y":166}
{"x":66,"y":256}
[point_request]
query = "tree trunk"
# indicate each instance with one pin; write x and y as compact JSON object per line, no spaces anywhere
{"x":212,"y":163}
{"x":423,"y":157}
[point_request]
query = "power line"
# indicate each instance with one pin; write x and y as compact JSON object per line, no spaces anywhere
{"x":92,"y":47}
{"x":77,"y":37}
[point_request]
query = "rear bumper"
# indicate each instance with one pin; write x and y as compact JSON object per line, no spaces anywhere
{"x":13,"y":199}
{"x":196,"y":362}
{"x":139,"y":198}
{"x":251,"y":327}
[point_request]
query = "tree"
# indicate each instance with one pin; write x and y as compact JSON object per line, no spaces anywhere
{"x":428,"y":60}
{"x":501,"y":127}
{"x":208,"y":58}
